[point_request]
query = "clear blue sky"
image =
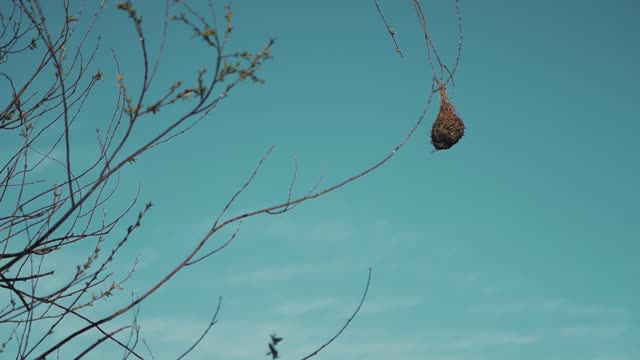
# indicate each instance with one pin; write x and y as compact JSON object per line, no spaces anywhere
{"x":521,"y":242}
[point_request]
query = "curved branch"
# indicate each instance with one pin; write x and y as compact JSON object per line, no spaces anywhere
{"x":364,"y":295}
{"x":213,"y":322}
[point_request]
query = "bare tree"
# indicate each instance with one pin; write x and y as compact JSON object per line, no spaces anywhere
{"x":53,"y":198}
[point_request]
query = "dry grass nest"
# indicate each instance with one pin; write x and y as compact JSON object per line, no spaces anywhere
{"x":448,"y":128}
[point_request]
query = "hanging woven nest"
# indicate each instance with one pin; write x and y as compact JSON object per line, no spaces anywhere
{"x":448,"y":128}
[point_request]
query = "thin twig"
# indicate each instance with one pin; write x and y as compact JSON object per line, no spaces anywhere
{"x":392,"y":32}
{"x":364,"y":295}
{"x":204,"y":333}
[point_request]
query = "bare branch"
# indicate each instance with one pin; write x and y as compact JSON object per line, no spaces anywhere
{"x":392,"y":32}
{"x":364,"y":295}
{"x":204,"y":333}
{"x":99,"y":341}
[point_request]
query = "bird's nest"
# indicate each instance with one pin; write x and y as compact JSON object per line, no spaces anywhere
{"x":448,"y":128}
